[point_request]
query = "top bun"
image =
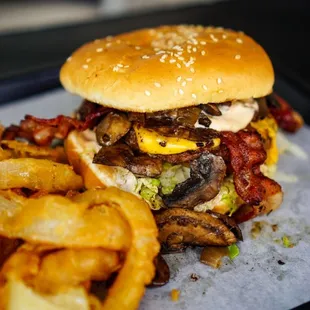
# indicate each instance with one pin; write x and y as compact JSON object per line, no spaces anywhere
{"x":169,"y":67}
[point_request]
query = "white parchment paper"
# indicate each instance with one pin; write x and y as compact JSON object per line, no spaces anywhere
{"x":255,"y":279}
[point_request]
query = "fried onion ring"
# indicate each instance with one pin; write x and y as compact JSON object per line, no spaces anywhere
{"x":38,"y":174}
{"x":138,"y":269}
{"x":18,"y":149}
{"x":50,"y":270}
{"x":58,"y":221}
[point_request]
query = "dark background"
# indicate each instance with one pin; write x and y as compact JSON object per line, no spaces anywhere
{"x":30,"y":60}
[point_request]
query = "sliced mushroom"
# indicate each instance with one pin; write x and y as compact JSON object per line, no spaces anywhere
{"x":122,"y":156}
{"x":162,"y":274}
{"x":179,"y":228}
{"x":212,"y":109}
{"x":206,"y":176}
{"x":186,"y":117}
{"x":113,"y":127}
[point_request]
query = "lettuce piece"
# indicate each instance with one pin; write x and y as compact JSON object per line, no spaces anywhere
{"x":233,"y":251}
{"x":148,"y":189}
{"x":171,"y":176}
{"x":226,"y":201}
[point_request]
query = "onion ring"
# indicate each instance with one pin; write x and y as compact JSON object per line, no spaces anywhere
{"x":58,"y":221}
{"x":18,"y":149}
{"x":38,"y":174}
{"x":138,"y":269}
{"x":50,"y":270}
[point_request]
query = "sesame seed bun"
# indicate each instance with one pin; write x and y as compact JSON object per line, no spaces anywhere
{"x":169,"y":67}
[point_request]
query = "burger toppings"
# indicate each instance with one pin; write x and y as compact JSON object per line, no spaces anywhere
{"x":286,"y":117}
{"x":232,"y":117}
{"x":180,"y":227}
{"x":122,"y":156}
{"x":113,"y":127}
{"x":206,"y":177}
{"x":246,"y":155}
{"x":206,"y":144}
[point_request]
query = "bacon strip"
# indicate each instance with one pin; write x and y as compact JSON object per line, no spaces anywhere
{"x":247,"y":154}
{"x":42,"y":131}
{"x":285,"y":116}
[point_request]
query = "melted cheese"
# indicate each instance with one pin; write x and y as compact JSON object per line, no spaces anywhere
{"x":233,"y":118}
{"x":268,"y":128}
{"x":151,"y":142}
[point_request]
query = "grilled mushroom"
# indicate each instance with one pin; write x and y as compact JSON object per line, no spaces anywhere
{"x":206,"y":176}
{"x":122,"y":156}
{"x":179,"y":228}
{"x":113,"y":127}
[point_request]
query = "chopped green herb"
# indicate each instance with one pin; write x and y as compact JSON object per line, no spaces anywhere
{"x":287,"y":243}
{"x":233,"y":251}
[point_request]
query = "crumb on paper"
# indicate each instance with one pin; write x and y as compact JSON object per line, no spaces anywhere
{"x":274,"y":227}
{"x":280,"y":262}
{"x":175,"y":295}
{"x":257,"y":228}
{"x":194,"y":277}
{"x":286,"y":241}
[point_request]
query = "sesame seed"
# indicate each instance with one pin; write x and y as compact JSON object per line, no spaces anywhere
{"x":120,"y":65}
{"x":238,"y":40}
{"x":97,"y":40}
{"x":147,"y":93}
{"x":99,"y":50}
{"x":69,"y":58}
{"x":127,"y":66}
{"x":178,"y":65}
{"x":172,"y":61}
{"x":145,"y":57}
{"x":237,"y":57}
{"x":203,"y":53}
{"x":194,"y":96}
{"x":88,"y":59}
{"x":85,"y":66}
{"x":192,"y":70}
{"x":115,"y":69}
{"x":108,"y":44}
{"x":179,"y":78}
{"x":221,"y":91}
{"x":160,"y":52}
{"x":219,"y":80}
{"x":137,"y":48}
{"x":183,"y":83}
{"x":181,"y":91}
{"x":224,"y":36}
{"x":195,"y":49}
{"x":162,"y":60}
{"x":189,"y":79}
{"x":203,"y":42}
{"x":157,"y":84}
{"x":205,"y":87}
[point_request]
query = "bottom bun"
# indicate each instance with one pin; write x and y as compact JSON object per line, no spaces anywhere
{"x":81,"y":148}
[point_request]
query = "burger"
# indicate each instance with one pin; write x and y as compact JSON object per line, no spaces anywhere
{"x":183,"y":116}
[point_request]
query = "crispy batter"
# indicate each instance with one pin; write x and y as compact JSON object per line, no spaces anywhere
{"x":138,"y":269}
{"x":18,"y":149}
{"x":59,"y":221}
{"x":38,"y":174}
{"x":7,"y":247}
{"x":50,"y":270}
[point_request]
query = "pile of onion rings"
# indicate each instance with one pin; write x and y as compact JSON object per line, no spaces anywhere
{"x":56,"y":239}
